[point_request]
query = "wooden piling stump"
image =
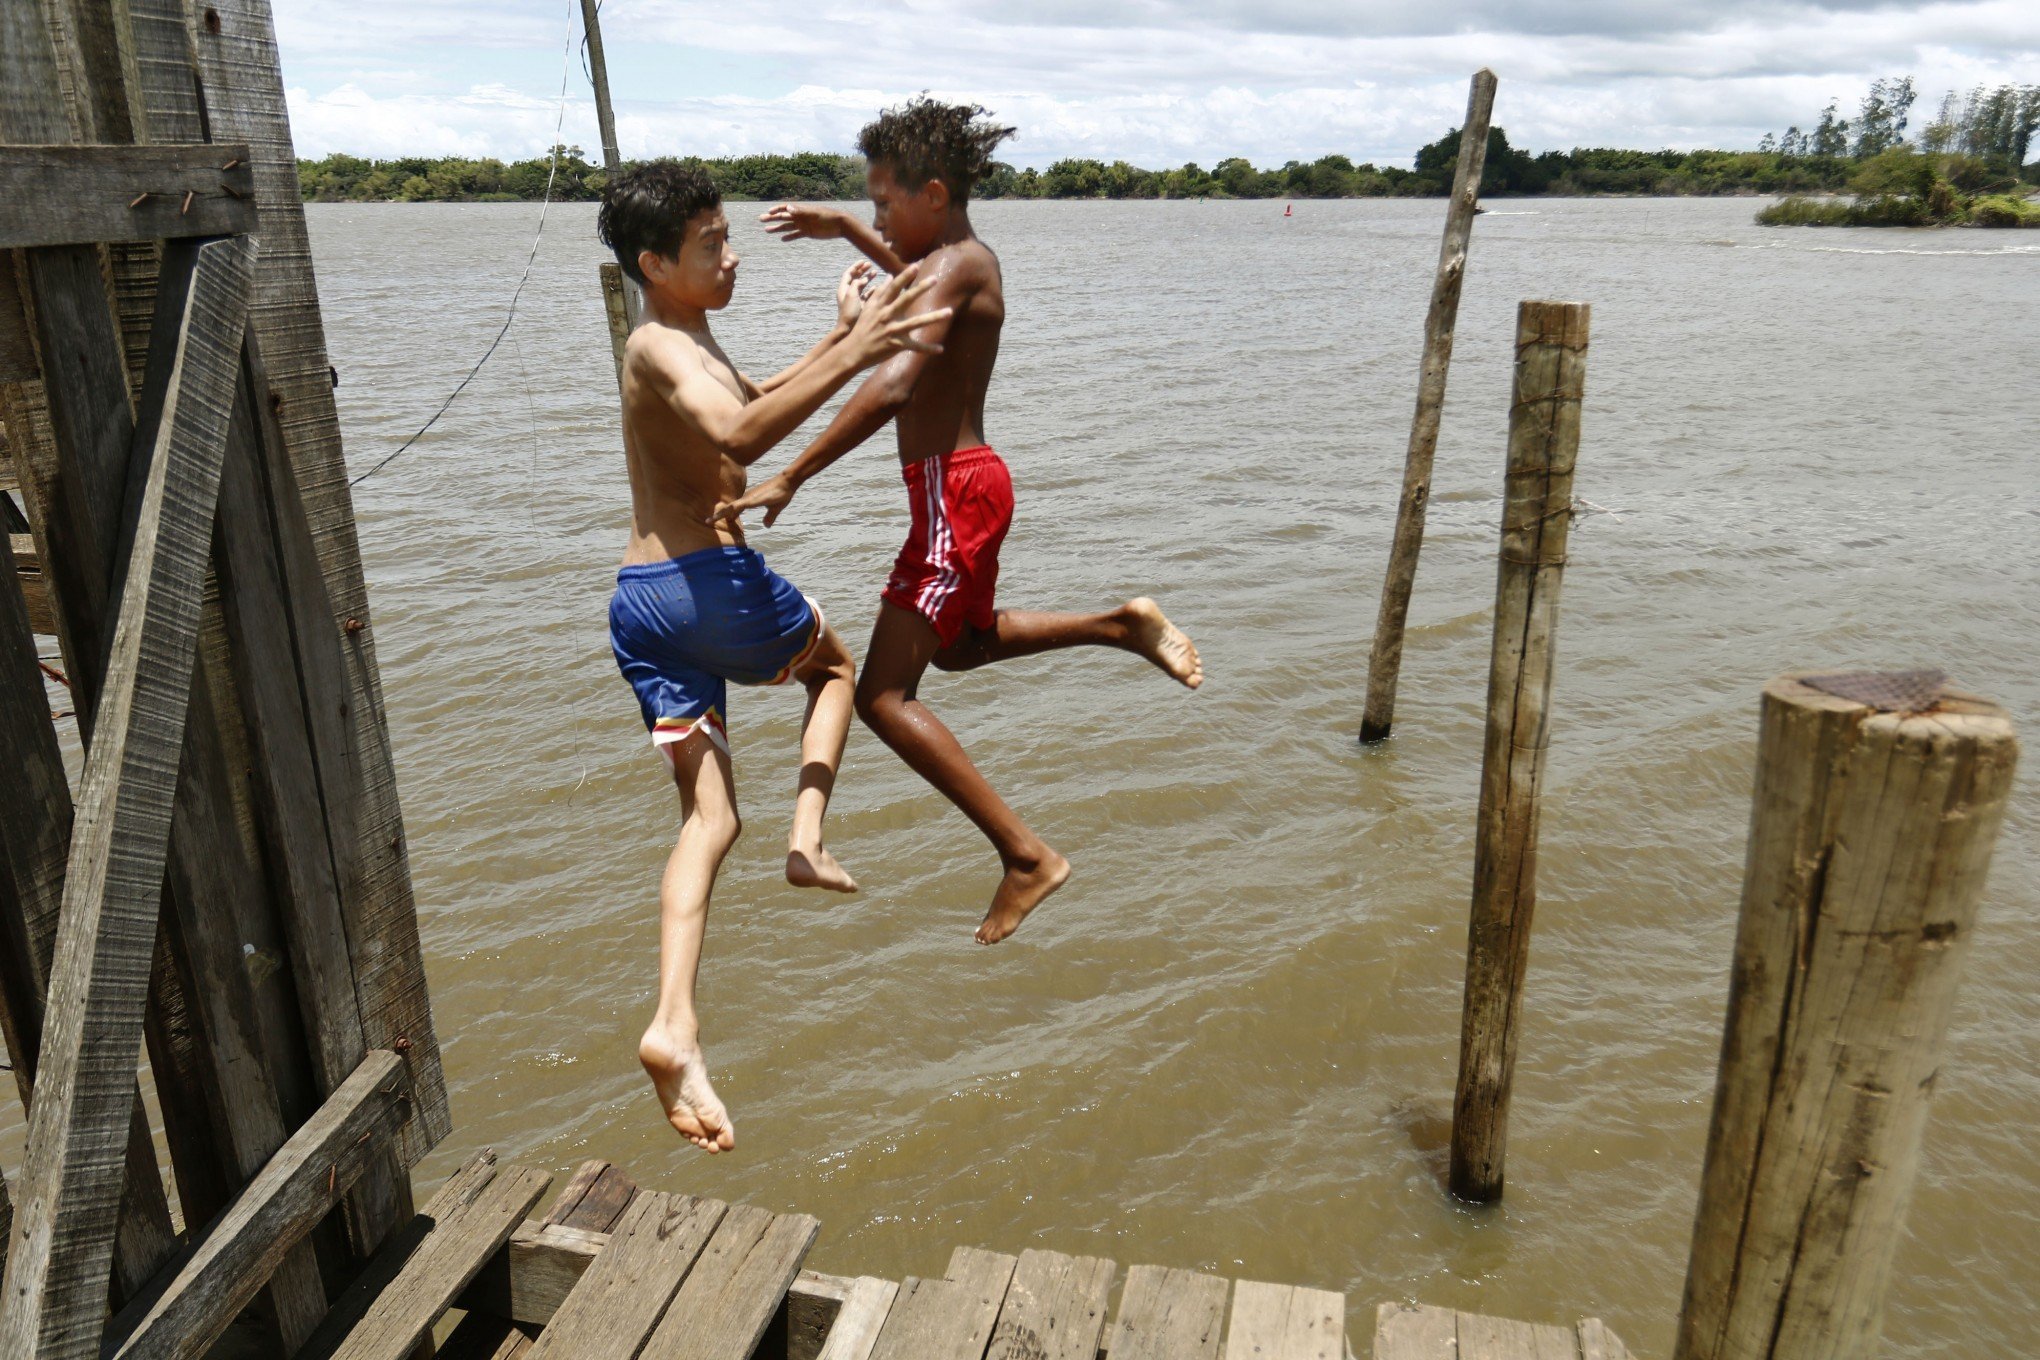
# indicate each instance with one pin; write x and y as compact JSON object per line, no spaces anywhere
{"x":1870,"y":837}
{"x":1544,"y":439}
{"x":1384,"y":665}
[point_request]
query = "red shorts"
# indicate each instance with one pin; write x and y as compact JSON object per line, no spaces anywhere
{"x":949,"y":569}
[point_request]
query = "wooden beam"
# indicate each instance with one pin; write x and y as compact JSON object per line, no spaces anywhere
{"x":1384,"y":664}
{"x":230,"y":1261}
{"x":17,"y":351}
{"x":35,"y":841}
{"x":64,"y":195}
{"x":1878,"y":804}
{"x":392,"y":1307}
{"x":60,"y":1251}
{"x":539,"y":1266}
{"x":1537,"y":509}
{"x":242,"y":92}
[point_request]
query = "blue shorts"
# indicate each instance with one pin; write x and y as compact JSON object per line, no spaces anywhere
{"x":683,"y":628}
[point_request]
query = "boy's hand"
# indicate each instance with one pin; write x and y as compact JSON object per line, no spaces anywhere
{"x":886,"y":324}
{"x":850,"y":292}
{"x":773,"y":494}
{"x":803,"y":222}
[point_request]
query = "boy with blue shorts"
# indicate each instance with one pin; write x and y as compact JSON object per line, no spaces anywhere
{"x":695,"y":609}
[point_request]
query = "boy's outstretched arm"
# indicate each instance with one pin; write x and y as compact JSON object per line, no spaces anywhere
{"x":809,"y":222}
{"x":671,"y":365}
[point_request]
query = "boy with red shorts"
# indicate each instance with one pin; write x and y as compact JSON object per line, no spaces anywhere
{"x":938,"y":605}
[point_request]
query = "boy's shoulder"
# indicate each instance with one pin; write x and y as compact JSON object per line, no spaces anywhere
{"x":654,"y":346}
{"x":969,"y":259}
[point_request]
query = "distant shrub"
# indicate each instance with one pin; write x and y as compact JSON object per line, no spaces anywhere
{"x":2003,"y":210}
{"x":1800,"y":211}
{"x":1890,"y":210}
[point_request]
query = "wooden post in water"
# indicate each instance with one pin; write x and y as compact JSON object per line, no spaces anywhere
{"x":1544,"y":440}
{"x":1878,"y":802}
{"x":614,"y":284}
{"x":1385,"y":664}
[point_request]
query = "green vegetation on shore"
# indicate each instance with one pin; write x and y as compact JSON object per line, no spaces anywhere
{"x":1966,"y":169}
{"x":1987,"y":132}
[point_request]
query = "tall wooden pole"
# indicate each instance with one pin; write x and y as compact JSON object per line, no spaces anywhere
{"x":612,"y":161}
{"x":1385,"y":664}
{"x":1874,"y":821}
{"x":1544,"y":439}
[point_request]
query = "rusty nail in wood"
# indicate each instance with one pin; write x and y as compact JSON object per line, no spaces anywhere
{"x":332,"y":1176}
{"x":232,"y":164}
{"x":364,"y":1137}
{"x":353,"y":625}
{"x":402,"y":1045}
{"x":275,"y":400}
{"x":189,"y":194}
{"x":139,"y":199}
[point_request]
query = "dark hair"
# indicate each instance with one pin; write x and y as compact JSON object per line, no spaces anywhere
{"x":922,"y":140}
{"x":648,"y":207}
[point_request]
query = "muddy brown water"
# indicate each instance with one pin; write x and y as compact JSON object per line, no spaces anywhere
{"x":1229,"y":1044}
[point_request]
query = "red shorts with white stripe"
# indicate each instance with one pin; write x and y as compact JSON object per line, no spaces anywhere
{"x":949,"y":569}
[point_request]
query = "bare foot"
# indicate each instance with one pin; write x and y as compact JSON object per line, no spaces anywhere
{"x":817,"y":868}
{"x":680,"y":1076}
{"x":1021,"y":891}
{"x":1163,"y":643}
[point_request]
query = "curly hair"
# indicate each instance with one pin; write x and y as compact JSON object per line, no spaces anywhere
{"x":924,"y":139}
{"x":648,"y":207}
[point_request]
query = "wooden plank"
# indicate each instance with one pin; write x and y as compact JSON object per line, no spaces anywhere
{"x":62,"y":195}
{"x":1415,"y":1331}
{"x":1168,"y":1315}
{"x":1055,"y":1308}
{"x":425,"y":1265}
{"x":1598,"y":1343}
{"x":6,"y":1220}
{"x":230,"y":1261}
{"x":290,"y":684}
{"x":594,"y":1198}
{"x":17,"y":351}
{"x":853,"y":1332}
{"x":538,"y":1267}
{"x":35,"y":840}
{"x":242,"y":90}
{"x":948,"y":1319}
{"x":1285,"y":1322}
{"x":1492,"y":1338}
{"x":92,"y":1033}
{"x":735,"y":1288}
{"x":614,"y":1308}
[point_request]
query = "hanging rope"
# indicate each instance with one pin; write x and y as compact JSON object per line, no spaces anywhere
{"x":552,"y":173}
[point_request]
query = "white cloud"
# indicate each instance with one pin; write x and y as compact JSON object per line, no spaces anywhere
{"x":1156,"y":81}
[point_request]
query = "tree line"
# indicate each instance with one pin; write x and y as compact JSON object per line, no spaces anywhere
{"x":1991,"y":130}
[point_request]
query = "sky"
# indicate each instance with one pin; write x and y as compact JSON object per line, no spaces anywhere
{"x":1155,"y":82}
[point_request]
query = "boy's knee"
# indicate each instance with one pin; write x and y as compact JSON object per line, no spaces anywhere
{"x":719,"y":826}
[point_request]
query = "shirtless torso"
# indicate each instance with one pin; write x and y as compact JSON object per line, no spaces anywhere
{"x":677,"y":476}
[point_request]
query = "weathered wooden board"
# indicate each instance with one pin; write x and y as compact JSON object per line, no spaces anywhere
{"x":1168,"y":1315}
{"x":57,"y":1282}
{"x":479,"y":1336}
{"x":1055,"y":1308}
{"x":853,"y":1332}
{"x":63,"y":195}
{"x":1492,"y":1338}
{"x":614,"y":1308}
{"x":1415,"y":1331}
{"x":735,"y":1288}
{"x":235,"y":1255}
{"x":595,"y":1198}
{"x":17,"y":351}
{"x":426,"y":1264}
{"x":242,"y":91}
{"x":948,"y":1319}
{"x":1598,"y":1343}
{"x":1285,"y":1322}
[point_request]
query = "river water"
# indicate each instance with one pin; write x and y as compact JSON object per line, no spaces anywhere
{"x":1230,"y":1043}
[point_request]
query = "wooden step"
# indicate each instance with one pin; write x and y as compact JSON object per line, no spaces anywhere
{"x":735,"y":1288}
{"x":1055,"y":1308}
{"x":1406,"y":1331}
{"x":612,"y":1311}
{"x":423,"y":1268}
{"x":1285,"y":1322}
{"x":948,"y":1319}
{"x":1168,"y":1315}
